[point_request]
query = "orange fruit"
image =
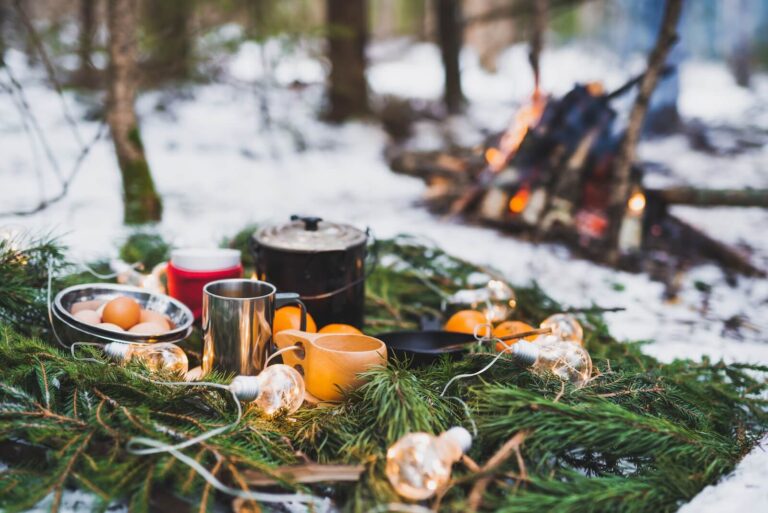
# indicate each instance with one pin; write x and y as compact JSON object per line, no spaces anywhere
{"x":508,"y":328}
{"x":464,"y":321}
{"x":289,"y":318}
{"x":340,"y":328}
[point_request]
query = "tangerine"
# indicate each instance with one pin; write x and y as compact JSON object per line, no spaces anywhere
{"x":464,"y":321}
{"x":340,"y":328}
{"x":289,"y":318}
{"x":508,"y":328}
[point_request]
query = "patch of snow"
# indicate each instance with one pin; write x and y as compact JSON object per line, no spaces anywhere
{"x":742,"y":491}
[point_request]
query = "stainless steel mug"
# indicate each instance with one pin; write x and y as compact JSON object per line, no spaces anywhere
{"x":237,"y":324}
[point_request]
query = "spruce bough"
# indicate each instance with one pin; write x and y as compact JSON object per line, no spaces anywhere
{"x":642,"y":436}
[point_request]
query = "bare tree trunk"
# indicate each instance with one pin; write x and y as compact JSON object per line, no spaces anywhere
{"x":141,"y":201}
{"x":540,"y":9}
{"x":620,"y":187}
{"x":347,"y":36}
{"x":86,"y":73}
{"x":168,"y":26}
{"x":449,"y":32}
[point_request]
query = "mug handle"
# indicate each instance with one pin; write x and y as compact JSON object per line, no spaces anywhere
{"x":159,"y":272}
{"x":287,"y":338}
{"x":291,"y":298}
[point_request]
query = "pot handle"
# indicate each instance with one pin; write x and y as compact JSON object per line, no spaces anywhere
{"x":368,"y":272}
{"x":255,"y":249}
{"x":291,"y":298}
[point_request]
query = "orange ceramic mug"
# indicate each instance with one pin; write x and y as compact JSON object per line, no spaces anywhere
{"x":331,"y":362}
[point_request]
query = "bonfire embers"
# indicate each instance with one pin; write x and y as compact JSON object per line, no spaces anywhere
{"x":552,"y":167}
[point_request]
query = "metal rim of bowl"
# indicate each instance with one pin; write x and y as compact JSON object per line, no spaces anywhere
{"x":179,"y":333}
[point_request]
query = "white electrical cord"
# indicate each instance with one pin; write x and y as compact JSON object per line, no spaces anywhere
{"x":281,"y":351}
{"x":480,"y":340}
{"x":246,"y":388}
{"x":213,"y":481}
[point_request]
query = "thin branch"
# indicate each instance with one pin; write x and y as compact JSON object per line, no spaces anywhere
{"x":38,"y":44}
{"x":65,"y":473}
{"x":510,"y":447}
{"x":66,"y":183}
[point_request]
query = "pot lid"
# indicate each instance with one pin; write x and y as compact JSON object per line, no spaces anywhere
{"x":310,"y":234}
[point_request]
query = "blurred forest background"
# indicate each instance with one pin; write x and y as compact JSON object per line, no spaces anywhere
{"x":171,"y":45}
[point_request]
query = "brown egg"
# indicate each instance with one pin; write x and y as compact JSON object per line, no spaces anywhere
{"x":148,"y":328}
{"x":123,"y":311}
{"x":150,"y":316}
{"x":88,"y":317}
{"x":93,"y":304}
{"x":109,"y":326}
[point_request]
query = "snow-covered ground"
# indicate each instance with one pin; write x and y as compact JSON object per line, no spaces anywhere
{"x":218,"y":167}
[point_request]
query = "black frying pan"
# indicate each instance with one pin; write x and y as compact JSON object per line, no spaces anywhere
{"x":423,"y":347}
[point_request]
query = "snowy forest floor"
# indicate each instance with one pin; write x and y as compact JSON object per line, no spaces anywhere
{"x":220,"y":163}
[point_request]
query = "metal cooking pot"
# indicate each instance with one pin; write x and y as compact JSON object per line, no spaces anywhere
{"x":323,"y":262}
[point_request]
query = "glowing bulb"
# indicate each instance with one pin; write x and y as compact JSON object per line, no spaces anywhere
{"x":566,"y":360}
{"x":162,"y":356}
{"x":636,"y":202}
{"x":419,"y":464}
{"x":565,"y":327}
{"x":278,"y":388}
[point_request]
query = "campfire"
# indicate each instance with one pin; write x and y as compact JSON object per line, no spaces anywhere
{"x":510,"y":141}
{"x":549,"y":173}
{"x":550,"y":176}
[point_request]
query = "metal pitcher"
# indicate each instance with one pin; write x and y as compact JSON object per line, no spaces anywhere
{"x":237,"y":324}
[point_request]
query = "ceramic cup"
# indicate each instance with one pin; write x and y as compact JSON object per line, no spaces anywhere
{"x":331,"y":363}
{"x":190,"y":269}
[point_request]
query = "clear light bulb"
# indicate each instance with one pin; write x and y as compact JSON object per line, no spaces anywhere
{"x":566,"y":360}
{"x":419,"y":464}
{"x":565,"y":327}
{"x":501,"y":301}
{"x":496,"y":300}
{"x":278,"y":388}
{"x":162,"y":356}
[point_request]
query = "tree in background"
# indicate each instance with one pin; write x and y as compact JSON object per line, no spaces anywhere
{"x":141,"y":201}
{"x":627,"y":153}
{"x":449,"y":32}
{"x":86,"y":75}
{"x":347,"y":36}
{"x":167,"y":24}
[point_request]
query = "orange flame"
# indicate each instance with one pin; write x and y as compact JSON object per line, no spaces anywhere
{"x":595,"y":88}
{"x":526,"y":117}
{"x":519,"y":200}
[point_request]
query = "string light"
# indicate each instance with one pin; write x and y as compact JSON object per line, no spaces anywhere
{"x":496,"y":300}
{"x":162,"y":356}
{"x":419,"y":464}
{"x":278,"y":388}
{"x":564,"y":327}
{"x":566,"y":360}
